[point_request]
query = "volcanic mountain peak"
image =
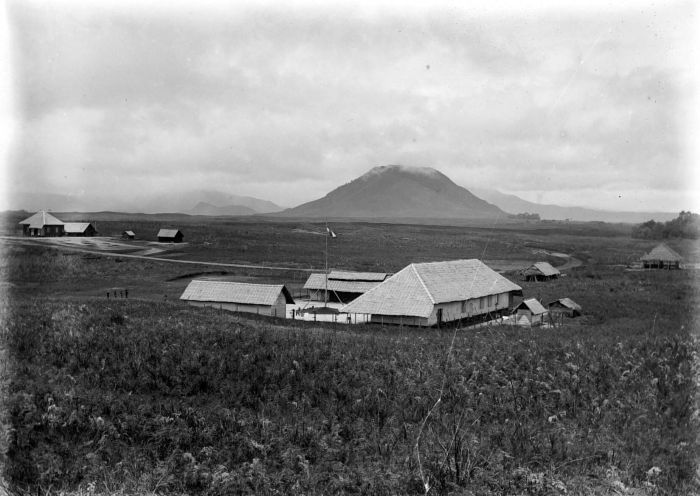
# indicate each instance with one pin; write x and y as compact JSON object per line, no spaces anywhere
{"x":397,"y":191}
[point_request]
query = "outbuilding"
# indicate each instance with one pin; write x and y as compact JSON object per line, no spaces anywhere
{"x":79,"y":229}
{"x":128,"y":235}
{"x":529,"y":312}
{"x":540,"y":271}
{"x":170,"y":236}
{"x":42,"y":223}
{"x":261,"y":299}
{"x":662,"y":257}
{"x":429,"y":294}
{"x":564,"y":307}
{"x":342,"y":286}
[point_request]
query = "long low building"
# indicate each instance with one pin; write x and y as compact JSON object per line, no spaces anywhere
{"x":261,"y":299}
{"x":662,"y":257}
{"x":342,"y":286}
{"x":428,"y":294}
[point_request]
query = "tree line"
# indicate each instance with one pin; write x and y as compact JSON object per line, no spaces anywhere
{"x":686,"y":225}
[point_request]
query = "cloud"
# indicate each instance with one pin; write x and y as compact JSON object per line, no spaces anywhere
{"x":131,"y":99}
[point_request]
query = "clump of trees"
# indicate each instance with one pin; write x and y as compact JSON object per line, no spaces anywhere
{"x":526,"y":216}
{"x":686,"y":225}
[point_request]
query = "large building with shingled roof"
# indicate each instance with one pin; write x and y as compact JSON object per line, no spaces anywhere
{"x":42,"y":223}
{"x":429,"y":294}
{"x":261,"y":299}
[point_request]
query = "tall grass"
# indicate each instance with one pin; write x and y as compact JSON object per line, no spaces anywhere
{"x":139,"y":398}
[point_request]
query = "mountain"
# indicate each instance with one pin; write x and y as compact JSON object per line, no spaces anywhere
{"x":204,"y":208}
{"x":516,"y":205}
{"x":178,"y":201}
{"x":396,"y":191}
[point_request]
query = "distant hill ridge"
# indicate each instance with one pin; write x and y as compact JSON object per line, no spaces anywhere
{"x":397,"y":191}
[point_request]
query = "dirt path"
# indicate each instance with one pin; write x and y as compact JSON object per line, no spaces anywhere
{"x":144,"y":257}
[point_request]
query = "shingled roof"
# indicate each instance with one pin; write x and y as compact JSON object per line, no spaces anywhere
{"x":663,"y":253}
{"x":318,"y":282}
{"x":75,"y":227}
{"x":41,"y":219}
{"x":414,"y":290}
{"x":533,"y":305}
{"x":344,"y":275}
{"x":235,"y":292}
{"x":168,"y":233}
{"x":545,"y":268}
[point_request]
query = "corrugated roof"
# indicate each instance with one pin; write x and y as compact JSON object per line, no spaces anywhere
{"x":567,"y":302}
{"x":318,"y":282}
{"x":663,"y":252}
{"x":75,"y":227}
{"x":168,"y":233}
{"x":545,"y":268}
{"x":235,"y":292}
{"x":533,"y":305}
{"x":41,"y":219}
{"x":414,"y":290}
{"x":344,"y":275}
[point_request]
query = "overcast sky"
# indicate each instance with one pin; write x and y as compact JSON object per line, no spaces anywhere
{"x":593,"y":106}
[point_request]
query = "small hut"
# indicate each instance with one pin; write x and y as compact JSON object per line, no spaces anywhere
{"x":170,"y":236}
{"x":662,"y":257}
{"x":128,"y":235}
{"x":529,"y":312}
{"x":540,"y":271}
{"x":261,"y":299}
{"x":79,"y":229}
{"x":564,"y":306}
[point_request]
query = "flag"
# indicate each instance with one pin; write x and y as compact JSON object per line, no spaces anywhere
{"x":330,"y":233}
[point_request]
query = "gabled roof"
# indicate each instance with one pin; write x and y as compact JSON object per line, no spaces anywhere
{"x":566,"y":302}
{"x":414,"y":290}
{"x":318,"y":282}
{"x":129,"y":233}
{"x":235,"y":292}
{"x":545,"y":268}
{"x":41,"y":219}
{"x":663,"y":252}
{"x":531,"y":304}
{"x":75,"y":227}
{"x":168,"y":233}
{"x":343,"y":275}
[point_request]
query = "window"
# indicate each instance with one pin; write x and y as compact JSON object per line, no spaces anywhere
{"x":464,"y":307}
{"x":481,"y":302}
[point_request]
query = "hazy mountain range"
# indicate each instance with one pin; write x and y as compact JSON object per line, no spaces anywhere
{"x":384,"y":192}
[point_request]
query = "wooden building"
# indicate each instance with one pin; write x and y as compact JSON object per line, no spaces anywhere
{"x":662,"y":257}
{"x":529,"y":312}
{"x":540,"y":271}
{"x":342,"y":286}
{"x":42,"y":223}
{"x":170,"y":236}
{"x":429,"y":294}
{"x":128,"y":235}
{"x":79,"y":229}
{"x":261,"y":299}
{"x":564,"y":307}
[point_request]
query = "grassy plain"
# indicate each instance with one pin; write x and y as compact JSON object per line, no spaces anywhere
{"x":147,"y":395}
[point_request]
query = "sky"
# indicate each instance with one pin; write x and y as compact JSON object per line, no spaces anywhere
{"x":114,"y":102}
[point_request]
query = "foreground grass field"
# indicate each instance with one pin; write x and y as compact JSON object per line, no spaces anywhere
{"x":140,"y":398}
{"x":146,"y":395}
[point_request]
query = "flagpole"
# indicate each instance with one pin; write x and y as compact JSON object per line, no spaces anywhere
{"x":325,"y":298}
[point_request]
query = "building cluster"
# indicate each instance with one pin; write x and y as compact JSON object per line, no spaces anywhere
{"x":43,"y":223}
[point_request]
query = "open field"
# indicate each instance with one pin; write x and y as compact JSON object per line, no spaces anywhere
{"x":146,"y":394}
